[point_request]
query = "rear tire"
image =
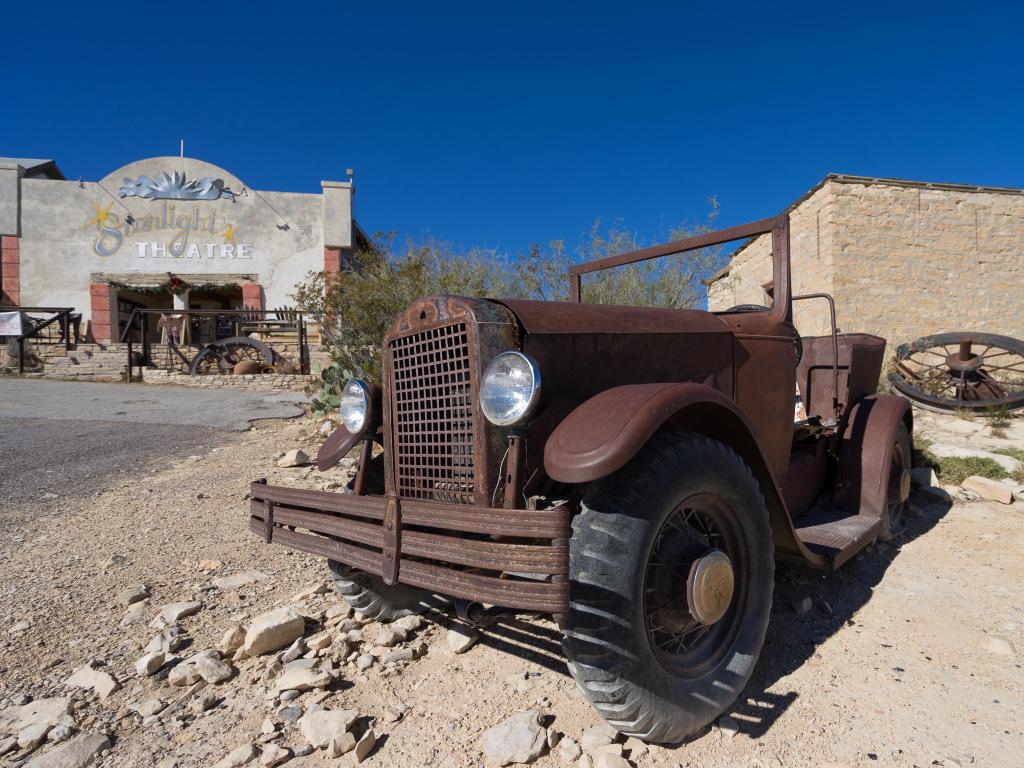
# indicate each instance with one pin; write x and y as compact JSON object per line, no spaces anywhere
{"x":635,"y":648}
{"x":368,"y":594}
{"x":895,"y":516}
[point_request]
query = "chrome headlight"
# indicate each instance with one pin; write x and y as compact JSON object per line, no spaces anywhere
{"x":355,"y":405}
{"x":510,"y":390}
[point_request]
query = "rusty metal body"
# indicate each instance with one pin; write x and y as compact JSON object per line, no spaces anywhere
{"x":483,"y":513}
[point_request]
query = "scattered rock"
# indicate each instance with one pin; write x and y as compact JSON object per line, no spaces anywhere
{"x":728,"y":726}
{"x":568,"y":749}
{"x":232,"y":639}
{"x":461,"y":638}
{"x":274,"y":755}
{"x":168,"y":641}
{"x":340,"y":610}
{"x":992,"y":490}
{"x":296,"y":457}
{"x":326,"y":428}
{"x":300,"y":679}
{"x":341,"y":745}
{"x":273,"y":631}
{"x":594,"y":737}
{"x":132,"y":594}
{"x":319,"y":641}
{"x":399,"y":654}
{"x":295,"y":650}
{"x":20,"y":626}
{"x":93,"y":679}
{"x":60,"y":734}
{"x":205,"y":702}
{"x":172,"y":612}
{"x":636,"y":747}
{"x":290,"y":714}
{"x":321,"y":726}
{"x":802,"y":606}
{"x":209,"y":565}
{"x":112,"y":562}
{"x":238,"y":757}
{"x":517,"y":739}
{"x":364,"y":662}
{"x":607,"y":760}
{"x":7,"y":744}
{"x":412,"y":623}
{"x":75,"y":753}
{"x":391,"y":636}
{"x":151,"y":707}
{"x":241,"y":579}
{"x":205,"y":665}
{"x":31,"y":736}
{"x":365,"y":745}
{"x":150,"y":664}
{"x":1000,"y":646}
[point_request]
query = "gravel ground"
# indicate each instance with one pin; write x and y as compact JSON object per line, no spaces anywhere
{"x":909,"y":656}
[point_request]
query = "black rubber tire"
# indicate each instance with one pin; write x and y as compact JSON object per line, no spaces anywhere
{"x":606,"y":640}
{"x":368,"y":594}
{"x":894,"y":518}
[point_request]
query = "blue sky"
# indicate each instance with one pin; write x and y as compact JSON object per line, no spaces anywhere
{"x":508,"y":124}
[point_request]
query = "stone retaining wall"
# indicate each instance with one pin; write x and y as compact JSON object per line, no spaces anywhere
{"x":268,"y":382}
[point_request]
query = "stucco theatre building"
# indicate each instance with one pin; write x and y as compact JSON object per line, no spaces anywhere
{"x":107,"y":247}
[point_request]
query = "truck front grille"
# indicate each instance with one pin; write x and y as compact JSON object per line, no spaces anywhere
{"x":433,"y":415}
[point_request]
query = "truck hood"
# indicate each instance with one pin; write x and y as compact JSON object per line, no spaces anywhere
{"x":563,"y":317}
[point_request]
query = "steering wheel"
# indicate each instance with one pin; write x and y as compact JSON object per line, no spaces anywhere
{"x":798,"y":343}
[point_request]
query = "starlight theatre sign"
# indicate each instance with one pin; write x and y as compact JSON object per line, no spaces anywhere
{"x":178,"y":231}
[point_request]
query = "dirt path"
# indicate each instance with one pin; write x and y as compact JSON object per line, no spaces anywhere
{"x":909,"y":657}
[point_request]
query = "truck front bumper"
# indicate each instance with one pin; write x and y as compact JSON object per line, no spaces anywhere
{"x":511,"y":558}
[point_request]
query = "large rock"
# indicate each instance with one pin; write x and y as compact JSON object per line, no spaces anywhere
{"x":321,"y":726}
{"x":76,"y":753}
{"x":595,"y":736}
{"x":232,"y":639}
{"x":51,"y":711}
{"x":273,"y":755}
{"x":168,"y":641}
{"x":273,"y":631}
{"x":992,"y":490}
{"x":172,"y":612}
{"x":93,"y":679}
{"x":518,"y":739}
{"x":132,"y":594}
{"x":32,"y":736}
{"x":365,"y":745}
{"x":391,"y":636}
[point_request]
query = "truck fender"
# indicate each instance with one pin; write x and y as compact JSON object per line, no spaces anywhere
{"x":335,"y":447}
{"x":865,"y":453}
{"x":605,"y":432}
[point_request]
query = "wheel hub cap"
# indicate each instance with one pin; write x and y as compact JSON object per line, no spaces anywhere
{"x":709,"y":587}
{"x":904,"y":486}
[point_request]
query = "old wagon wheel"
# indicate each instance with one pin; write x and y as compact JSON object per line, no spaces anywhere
{"x":220,"y":357}
{"x":964,"y":369}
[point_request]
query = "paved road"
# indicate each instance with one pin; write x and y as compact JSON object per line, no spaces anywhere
{"x":59,"y":440}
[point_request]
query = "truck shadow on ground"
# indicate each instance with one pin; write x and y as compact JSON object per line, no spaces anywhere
{"x":794,"y":635}
{"x":792,"y":639}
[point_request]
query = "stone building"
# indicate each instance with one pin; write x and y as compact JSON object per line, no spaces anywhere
{"x":165,"y":232}
{"x":902,"y":259}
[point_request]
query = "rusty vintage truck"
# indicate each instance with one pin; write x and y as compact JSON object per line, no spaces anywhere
{"x":636,"y":472}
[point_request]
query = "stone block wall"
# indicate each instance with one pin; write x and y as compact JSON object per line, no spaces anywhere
{"x":902,"y":260}
{"x":267,"y":382}
{"x":750,"y":271}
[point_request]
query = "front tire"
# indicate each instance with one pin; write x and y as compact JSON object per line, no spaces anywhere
{"x":368,"y":594}
{"x":635,"y":646}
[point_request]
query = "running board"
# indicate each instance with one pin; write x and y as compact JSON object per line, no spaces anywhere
{"x":836,"y":536}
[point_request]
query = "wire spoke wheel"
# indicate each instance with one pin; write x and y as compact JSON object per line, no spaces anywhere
{"x":968,"y":370}
{"x":696,"y":575}
{"x":221,"y":357}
